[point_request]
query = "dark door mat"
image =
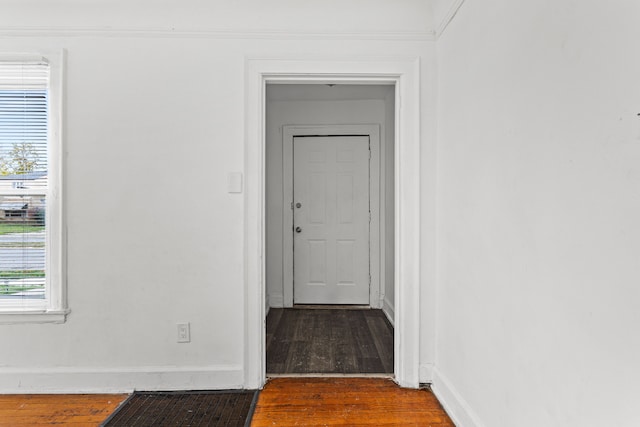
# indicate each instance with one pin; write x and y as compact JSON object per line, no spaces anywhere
{"x":191,"y":408}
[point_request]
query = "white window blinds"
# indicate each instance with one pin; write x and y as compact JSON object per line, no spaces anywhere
{"x":24,"y":136}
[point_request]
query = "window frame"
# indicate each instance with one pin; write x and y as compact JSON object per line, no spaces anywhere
{"x":54,"y":308}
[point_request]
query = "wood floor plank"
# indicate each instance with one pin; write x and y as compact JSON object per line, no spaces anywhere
{"x":362,"y":336}
{"x":344,"y":341}
{"x":278,"y":347}
{"x":344,"y":351}
{"x":346,"y":401}
{"x":320,"y":357}
{"x":272,"y":323}
{"x":382,"y":340}
{"x":46,"y":409}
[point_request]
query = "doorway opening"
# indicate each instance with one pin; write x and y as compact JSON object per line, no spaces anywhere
{"x":404,"y":73}
{"x":329,"y":228}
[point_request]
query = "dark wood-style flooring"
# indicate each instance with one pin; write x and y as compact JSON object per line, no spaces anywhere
{"x":328,"y":341}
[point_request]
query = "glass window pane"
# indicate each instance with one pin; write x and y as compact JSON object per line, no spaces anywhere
{"x":22,"y":247}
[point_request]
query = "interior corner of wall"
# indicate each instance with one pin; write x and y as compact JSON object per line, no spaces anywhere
{"x":444,"y":19}
{"x":426,"y":373}
{"x":388,"y":310}
{"x":452,"y":401}
{"x":275,"y":301}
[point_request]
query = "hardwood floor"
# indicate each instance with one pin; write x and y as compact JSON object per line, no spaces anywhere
{"x":283,"y":402}
{"x":339,"y":341}
{"x":47,"y":409}
{"x":347,"y":402}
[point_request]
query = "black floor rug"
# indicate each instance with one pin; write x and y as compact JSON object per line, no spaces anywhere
{"x":194,"y":408}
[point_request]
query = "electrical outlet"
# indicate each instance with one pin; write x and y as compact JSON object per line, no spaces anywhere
{"x":184,"y":333}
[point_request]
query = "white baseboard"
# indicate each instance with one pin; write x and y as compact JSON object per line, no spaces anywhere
{"x":458,"y":409}
{"x":276,"y":301}
{"x":387,"y":309}
{"x":119,"y":380}
{"x":425,"y":375}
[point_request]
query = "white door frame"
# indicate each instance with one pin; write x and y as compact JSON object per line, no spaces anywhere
{"x":376,"y":233}
{"x":404,"y":73}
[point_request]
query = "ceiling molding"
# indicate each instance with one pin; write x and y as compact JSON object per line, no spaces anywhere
{"x":443,"y":15}
{"x":443,"y":22}
{"x":213,"y":34}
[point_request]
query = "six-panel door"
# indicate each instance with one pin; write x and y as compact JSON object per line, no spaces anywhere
{"x":331,"y":220}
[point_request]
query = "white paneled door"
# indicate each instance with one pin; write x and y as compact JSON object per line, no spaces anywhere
{"x":331,"y":219}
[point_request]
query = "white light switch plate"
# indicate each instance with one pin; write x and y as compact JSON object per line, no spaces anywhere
{"x":184,"y":332}
{"x":234,"y":182}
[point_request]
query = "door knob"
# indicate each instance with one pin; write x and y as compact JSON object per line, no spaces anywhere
{"x":298,"y":229}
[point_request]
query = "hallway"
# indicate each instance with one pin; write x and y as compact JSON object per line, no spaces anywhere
{"x":329,"y":341}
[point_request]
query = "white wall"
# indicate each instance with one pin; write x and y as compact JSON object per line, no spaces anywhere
{"x":323,"y":105}
{"x":400,"y":17}
{"x":153,"y":124}
{"x":539,"y":244}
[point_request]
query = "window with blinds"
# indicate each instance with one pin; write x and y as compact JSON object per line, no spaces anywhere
{"x":24,"y":182}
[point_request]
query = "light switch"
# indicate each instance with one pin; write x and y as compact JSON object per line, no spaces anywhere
{"x":184,"y":332}
{"x":234,"y":182}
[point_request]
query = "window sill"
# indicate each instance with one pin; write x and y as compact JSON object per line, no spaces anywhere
{"x":39,"y":316}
